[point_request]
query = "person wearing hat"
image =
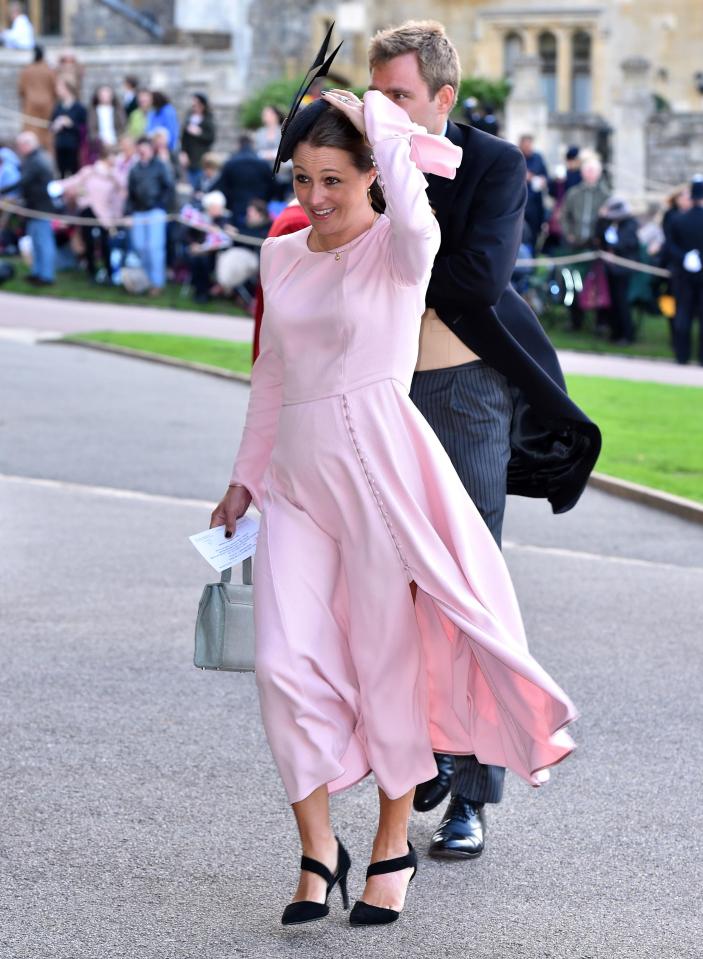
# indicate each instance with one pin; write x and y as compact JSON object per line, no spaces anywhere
{"x":566,"y":176}
{"x":686,"y":247}
{"x":616,"y":233}
{"x":579,"y":217}
{"x":573,"y":166}
{"x":197,"y":137}
{"x":400,"y":633}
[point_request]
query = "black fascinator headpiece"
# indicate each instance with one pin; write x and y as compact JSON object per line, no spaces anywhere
{"x":320,"y":68}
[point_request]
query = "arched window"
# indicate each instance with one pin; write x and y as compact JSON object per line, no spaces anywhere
{"x":547,"y":48}
{"x":512,"y":48}
{"x":581,"y":72}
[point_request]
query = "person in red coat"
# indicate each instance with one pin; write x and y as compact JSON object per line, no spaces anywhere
{"x":292,"y":219}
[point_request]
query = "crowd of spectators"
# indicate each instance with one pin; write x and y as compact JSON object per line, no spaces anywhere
{"x":109,"y":154}
{"x":574,"y":211}
{"x":158,"y":199}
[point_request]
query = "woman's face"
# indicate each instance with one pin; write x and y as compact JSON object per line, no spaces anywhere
{"x":683,"y":201}
{"x":329,"y":188}
{"x":127,"y":146}
{"x":269,"y":117}
{"x":144,"y":100}
{"x":105,"y":95}
{"x":196,"y":106}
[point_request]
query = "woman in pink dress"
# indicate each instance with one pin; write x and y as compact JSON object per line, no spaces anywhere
{"x":387,"y":627}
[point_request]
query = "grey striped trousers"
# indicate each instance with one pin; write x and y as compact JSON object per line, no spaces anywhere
{"x":470,"y":408}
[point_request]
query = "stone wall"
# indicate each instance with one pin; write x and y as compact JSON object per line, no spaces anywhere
{"x":674,"y":147}
{"x":178,"y":71}
{"x":585,"y":130}
{"x":281,"y":36}
{"x":94,"y":22}
{"x":286,"y":34}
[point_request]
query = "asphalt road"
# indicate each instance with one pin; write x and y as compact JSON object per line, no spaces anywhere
{"x":141,"y":813}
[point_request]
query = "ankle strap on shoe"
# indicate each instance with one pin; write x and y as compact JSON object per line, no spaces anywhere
{"x":408,"y":861}
{"x":312,"y":865}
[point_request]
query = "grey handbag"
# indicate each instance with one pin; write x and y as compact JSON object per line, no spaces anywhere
{"x":224,"y":629}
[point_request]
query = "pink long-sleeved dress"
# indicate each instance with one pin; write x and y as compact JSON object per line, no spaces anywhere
{"x":359,"y":499}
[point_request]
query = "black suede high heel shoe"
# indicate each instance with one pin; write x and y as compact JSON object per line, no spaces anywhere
{"x":296,"y":913}
{"x":365,"y":915}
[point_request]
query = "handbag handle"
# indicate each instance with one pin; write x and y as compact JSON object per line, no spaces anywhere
{"x":247,"y":573}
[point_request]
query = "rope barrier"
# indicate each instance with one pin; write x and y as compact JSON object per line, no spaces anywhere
{"x":634,"y":265}
{"x":566,"y":260}
{"x":241,"y":238}
{"x":125,"y":221}
{"x":25,"y":117}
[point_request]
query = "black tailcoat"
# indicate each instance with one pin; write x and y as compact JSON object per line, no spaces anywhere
{"x":687,"y":234}
{"x":480,"y":212}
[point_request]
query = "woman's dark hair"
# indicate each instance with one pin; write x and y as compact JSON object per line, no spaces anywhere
{"x":70,"y":87}
{"x":332,"y":129}
{"x":159,"y":99}
{"x":104,"y":86}
{"x":106,"y":150}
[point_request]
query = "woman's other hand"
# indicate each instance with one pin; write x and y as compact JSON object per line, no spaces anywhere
{"x":234,"y":504}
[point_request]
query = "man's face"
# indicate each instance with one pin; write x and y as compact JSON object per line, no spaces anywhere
{"x":399,"y":79}
{"x":25,"y":145}
{"x":590,"y":172}
{"x":526,"y":146}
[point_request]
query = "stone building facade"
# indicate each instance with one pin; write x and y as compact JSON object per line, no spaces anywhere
{"x":579,"y":44}
{"x":674,"y":147}
{"x":178,"y":46}
{"x":580,"y":68}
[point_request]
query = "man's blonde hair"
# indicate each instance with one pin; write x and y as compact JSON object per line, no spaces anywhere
{"x":437,"y":57}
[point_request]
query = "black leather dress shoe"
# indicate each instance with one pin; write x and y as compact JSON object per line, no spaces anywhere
{"x":430,"y":794}
{"x":460,"y":835}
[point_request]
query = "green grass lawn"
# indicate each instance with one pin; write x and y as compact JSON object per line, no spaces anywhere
{"x":76,"y":285}
{"x":652,"y":331}
{"x":652,"y":335}
{"x":225,"y":354}
{"x":652,"y":432}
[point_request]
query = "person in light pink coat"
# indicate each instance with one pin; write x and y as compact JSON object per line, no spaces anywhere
{"x":387,"y":626}
{"x":99,"y":192}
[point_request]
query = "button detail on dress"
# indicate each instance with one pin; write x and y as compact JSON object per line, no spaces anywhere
{"x":363,"y":460}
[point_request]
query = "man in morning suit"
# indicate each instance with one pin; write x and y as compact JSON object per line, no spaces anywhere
{"x":487,"y":380}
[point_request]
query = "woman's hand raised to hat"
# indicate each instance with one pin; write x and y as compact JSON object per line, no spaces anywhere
{"x":349,"y":104}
